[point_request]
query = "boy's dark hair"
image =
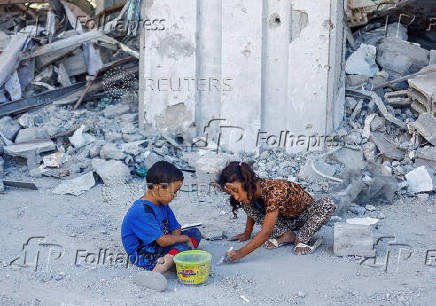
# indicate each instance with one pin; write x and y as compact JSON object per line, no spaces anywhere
{"x":238,"y":172}
{"x":163,"y":172}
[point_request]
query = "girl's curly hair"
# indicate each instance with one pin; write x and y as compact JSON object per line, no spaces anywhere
{"x":238,"y":172}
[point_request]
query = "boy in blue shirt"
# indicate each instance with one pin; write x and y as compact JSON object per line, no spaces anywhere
{"x":150,"y":232}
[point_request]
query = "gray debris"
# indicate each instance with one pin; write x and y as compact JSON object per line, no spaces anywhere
{"x":76,"y":186}
{"x":23,"y":149}
{"x":26,"y":121}
{"x":9,"y":127}
{"x":385,"y":147}
{"x":420,"y":180}
{"x":132,"y":148}
{"x":110,"y":151}
{"x":31,"y":134}
{"x":80,"y":139}
{"x":425,"y":126}
{"x":353,"y":239}
{"x":113,"y":111}
{"x":362,"y":61}
{"x":407,"y":56}
{"x":112,"y":171}
{"x":426,"y":156}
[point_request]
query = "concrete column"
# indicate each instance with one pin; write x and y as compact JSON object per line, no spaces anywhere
{"x":275,"y":66}
{"x":208,"y":104}
{"x":241,"y":65}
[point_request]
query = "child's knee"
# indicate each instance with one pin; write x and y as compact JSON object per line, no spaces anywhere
{"x":193,"y":233}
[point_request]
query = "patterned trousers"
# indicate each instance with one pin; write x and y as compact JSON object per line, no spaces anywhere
{"x":305,"y":225}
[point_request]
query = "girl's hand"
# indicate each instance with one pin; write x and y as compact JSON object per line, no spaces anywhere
{"x":241,"y":237}
{"x":234,"y":255}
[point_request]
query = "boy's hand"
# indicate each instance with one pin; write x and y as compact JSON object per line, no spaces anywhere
{"x":241,"y":237}
{"x":189,"y":242}
{"x":234,"y":255}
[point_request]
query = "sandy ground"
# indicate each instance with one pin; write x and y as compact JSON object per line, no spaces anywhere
{"x":82,"y":225}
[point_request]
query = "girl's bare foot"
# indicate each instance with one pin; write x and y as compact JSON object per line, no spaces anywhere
{"x":301,"y":250}
{"x":288,"y":237}
{"x":164,"y":264}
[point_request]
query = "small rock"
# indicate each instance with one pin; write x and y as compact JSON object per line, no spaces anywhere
{"x":301,"y":294}
{"x":420,"y":180}
{"x":128,"y":128}
{"x":422,"y":196}
{"x":356,"y":209}
{"x":26,"y":121}
{"x":76,"y":186}
{"x":370,"y":207}
{"x":81,"y":139}
{"x":151,"y":280}
{"x":94,"y":151}
{"x":112,"y":171}
{"x":110,"y":151}
{"x":9,"y":127}
{"x":362,"y":61}
{"x":381,"y":216}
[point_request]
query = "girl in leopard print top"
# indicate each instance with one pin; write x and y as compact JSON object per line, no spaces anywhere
{"x":287,"y":213}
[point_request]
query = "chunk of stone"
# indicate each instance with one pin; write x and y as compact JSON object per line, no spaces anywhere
{"x":385,"y":147}
{"x":407,"y":56}
{"x":111,"y":151}
{"x":23,"y":149}
{"x":111,"y":171}
{"x":353,"y":239}
{"x":420,"y":180}
{"x":31,"y":134}
{"x":81,"y":139}
{"x":132,"y":148}
{"x":9,"y":127}
{"x":362,"y":61}
{"x":426,"y":127}
{"x":26,"y":121}
{"x":426,"y":156}
{"x":151,"y":280}
{"x":76,"y":186}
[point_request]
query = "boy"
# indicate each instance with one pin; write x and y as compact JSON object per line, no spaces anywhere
{"x":150,"y":232}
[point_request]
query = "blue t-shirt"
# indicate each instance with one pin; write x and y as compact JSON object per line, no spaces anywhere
{"x":144,"y":223}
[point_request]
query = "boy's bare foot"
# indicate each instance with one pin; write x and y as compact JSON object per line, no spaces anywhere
{"x":164,"y":264}
{"x":286,"y":238}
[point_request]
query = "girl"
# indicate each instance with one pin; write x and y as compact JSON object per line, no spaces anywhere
{"x":280,"y":206}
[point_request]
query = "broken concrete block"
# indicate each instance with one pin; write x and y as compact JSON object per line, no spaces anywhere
{"x":420,"y":180}
{"x":111,"y":171}
{"x":132,"y":148}
{"x":407,"y":56}
{"x":426,"y":156}
{"x":213,"y":235}
{"x":355,"y":80}
{"x":209,"y":162}
{"x":129,"y":117}
{"x":80,"y":139}
{"x":353,"y":239}
{"x":128,"y":128}
{"x":425,"y":126}
{"x":31,"y":134}
{"x":54,"y":160}
{"x":149,"y":158}
{"x":385,"y":147}
{"x":362,"y":61}
{"x":151,"y":280}
{"x":110,"y":151}
{"x":422,"y":91}
{"x":113,"y":111}
{"x":76,"y":186}
{"x":23,"y":149}
{"x":367,"y":221}
{"x":432,"y":57}
{"x":378,"y":124}
{"x":9,"y":127}
{"x":398,"y":98}
{"x":26,"y":121}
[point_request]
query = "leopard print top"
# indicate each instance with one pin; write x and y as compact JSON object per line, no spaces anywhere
{"x":288,"y":197}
